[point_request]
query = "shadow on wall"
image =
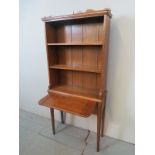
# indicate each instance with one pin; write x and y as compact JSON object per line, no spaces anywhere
{"x":120,"y":79}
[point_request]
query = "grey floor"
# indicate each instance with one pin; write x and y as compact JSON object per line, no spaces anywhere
{"x":36,"y":139}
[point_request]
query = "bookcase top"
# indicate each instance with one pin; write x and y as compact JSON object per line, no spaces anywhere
{"x":79,"y":15}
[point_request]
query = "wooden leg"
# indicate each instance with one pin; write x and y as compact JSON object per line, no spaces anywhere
{"x":62,"y":117}
{"x":101,"y":119}
{"x":103,"y":116}
{"x":98,"y":126}
{"x":52,"y":120}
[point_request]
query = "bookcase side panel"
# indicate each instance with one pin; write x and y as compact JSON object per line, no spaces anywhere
{"x":103,"y":58}
{"x":50,"y":33}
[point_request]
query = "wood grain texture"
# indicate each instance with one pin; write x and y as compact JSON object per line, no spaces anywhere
{"x":85,"y":68}
{"x":75,"y":106}
{"x":74,"y":44}
{"x":64,"y":55}
{"x":63,"y":33}
{"x":81,"y":15}
{"x":90,"y":32}
{"x":103,"y":58}
{"x":50,"y":32}
{"x":76,"y":56}
{"x":78,"y":92}
{"x":52,"y":119}
{"x":77,"y":53}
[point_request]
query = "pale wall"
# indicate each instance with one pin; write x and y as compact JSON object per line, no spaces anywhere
{"x":119,"y":121}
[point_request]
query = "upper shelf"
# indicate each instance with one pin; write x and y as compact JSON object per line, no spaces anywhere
{"x":75,"y":44}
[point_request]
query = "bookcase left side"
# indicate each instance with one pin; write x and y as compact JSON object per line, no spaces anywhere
{"x":51,"y":53}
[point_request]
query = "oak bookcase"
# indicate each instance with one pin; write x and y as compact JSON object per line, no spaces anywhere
{"x":77,"y":49}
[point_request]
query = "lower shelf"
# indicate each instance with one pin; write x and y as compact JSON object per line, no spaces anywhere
{"x":92,"y":95}
{"x":67,"y":104}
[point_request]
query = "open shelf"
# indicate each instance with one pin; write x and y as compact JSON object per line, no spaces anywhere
{"x":76,"y":106}
{"x":83,"y":93}
{"x":75,"y":44}
{"x":93,"y":69}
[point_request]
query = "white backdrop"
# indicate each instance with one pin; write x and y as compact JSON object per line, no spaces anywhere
{"x":119,"y":121}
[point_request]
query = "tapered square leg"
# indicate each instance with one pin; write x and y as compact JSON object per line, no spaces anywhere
{"x":98,"y":126}
{"x":62,"y":117}
{"x":102,"y":117}
{"x":52,"y":120}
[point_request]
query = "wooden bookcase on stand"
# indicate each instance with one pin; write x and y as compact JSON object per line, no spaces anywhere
{"x":77,"y":49}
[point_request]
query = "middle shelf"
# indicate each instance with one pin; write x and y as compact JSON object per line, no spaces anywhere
{"x":94,"y":69}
